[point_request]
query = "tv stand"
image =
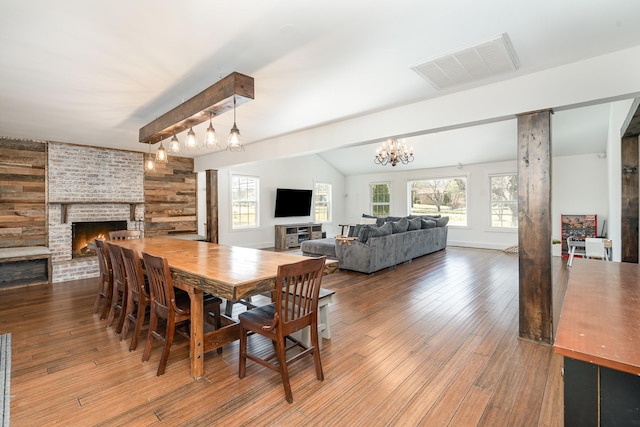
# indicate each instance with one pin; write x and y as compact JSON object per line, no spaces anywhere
{"x":292,"y":235}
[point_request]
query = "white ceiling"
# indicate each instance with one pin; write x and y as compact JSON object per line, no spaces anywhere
{"x":93,"y":73}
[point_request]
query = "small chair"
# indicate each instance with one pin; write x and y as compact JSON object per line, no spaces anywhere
{"x":138,"y":295}
{"x":105,"y":286}
{"x":125,"y":234}
{"x":594,"y":248}
{"x":295,"y":306}
{"x":166,"y":304}
{"x":120,"y":292}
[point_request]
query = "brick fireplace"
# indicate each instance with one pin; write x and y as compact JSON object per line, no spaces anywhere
{"x":89,"y":184}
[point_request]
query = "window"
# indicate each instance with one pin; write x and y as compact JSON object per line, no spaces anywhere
{"x":504,"y":201}
{"x":322,"y":201}
{"x":444,"y":196}
{"x":244,"y":201}
{"x":380,"y":199}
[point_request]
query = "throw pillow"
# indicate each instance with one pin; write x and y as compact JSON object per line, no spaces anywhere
{"x":368,"y":231}
{"x":415,"y":224}
{"x":354,"y":230}
{"x":441,"y":222}
{"x":428,"y":223}
{"x":400,"y":226}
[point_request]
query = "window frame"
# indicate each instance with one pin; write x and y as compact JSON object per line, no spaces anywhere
{"x":492,"y":201}
{"x":452,"y":222}
{"x":232,"y":203}
{"x":372,"y":203}
{"x":329,"y":201}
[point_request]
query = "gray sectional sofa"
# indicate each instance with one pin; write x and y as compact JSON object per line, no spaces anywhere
{"x":391,"y":241}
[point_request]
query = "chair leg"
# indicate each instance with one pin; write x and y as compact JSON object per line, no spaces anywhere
{"x":168,"y":340}
{"x":242,"y":365}
{"x":125,"y":317}
{"x":107,"y":304}
{"x":316,"y":352}
{"x":153,"y":324}
{"x":284,"y":370}
{"x":112,"y":310}
{"x":139,"y":322}
{"x":99,"y":297}
{"x":123,"y":310}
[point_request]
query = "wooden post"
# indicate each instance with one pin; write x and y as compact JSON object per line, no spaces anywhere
{"x":212,"y":206}
{"x":629,"y":199}
{"x":534,"y":226}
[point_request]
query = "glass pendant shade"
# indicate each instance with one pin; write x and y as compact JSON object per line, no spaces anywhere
{"x":174,"y":145}
{"x":210,"y":139}
{"x":161,"y":155}
{"x":235,"y":142}
{"x":191,"y":141}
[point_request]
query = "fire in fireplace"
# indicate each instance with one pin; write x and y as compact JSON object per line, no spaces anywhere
{"x":84,"y":233}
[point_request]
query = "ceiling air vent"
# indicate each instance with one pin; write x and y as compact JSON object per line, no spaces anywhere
{"x":487,"y":59}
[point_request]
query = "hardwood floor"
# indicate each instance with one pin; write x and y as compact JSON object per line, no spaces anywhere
{"x":433,"y":342}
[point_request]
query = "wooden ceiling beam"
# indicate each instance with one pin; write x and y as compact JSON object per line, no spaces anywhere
{"x":216,"y":99}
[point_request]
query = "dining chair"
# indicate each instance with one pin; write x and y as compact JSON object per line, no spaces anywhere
{"x":120,"y":291}
{"x":294,"y":307}
{"x":105,"y":278}
{"x":125,"y":234}
{"x":138,"y":295}
{"x":173,"y":307}
{"x":594,"y":248}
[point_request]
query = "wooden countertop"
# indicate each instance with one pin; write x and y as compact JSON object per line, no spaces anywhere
{"x":600,"y":319}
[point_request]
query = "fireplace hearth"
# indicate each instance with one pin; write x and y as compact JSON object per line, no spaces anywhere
{"x":84,"y":233}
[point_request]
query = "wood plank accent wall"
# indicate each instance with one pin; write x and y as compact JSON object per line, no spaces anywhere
{"x":534,"y":226}
{"x":170,"y":197}
{"x":23,"y":169}
{"x":212,"y":206}
{"x":629,"y":199}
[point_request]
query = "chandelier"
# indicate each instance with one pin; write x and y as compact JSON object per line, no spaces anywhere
{"x":393,"y":151}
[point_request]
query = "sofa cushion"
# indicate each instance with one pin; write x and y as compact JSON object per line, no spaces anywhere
{"x":414,"y":224}
{"x":368,"y":231}
{"x":441,"y":222}
{"x":354,"y":230}
{"x":319,"y":247}
{"x":400,"y":226}
{"x":428,"y":223}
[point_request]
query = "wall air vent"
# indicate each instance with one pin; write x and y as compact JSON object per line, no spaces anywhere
{"x":487,"y":59}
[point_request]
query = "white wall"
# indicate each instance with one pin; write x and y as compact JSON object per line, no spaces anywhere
{"x":300,"y":172}
{"x":579,"y":186}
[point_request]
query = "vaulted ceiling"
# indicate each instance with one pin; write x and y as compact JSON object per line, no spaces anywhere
{"x":93,"y":73}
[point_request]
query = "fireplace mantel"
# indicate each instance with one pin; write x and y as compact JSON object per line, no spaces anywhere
{"x":64,"y":204}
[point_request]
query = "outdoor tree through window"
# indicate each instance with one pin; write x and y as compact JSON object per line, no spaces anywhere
{"x":504,"y":201}
{"x":244,"y":201}
{"x":380,"y":199}
{"x":444,"y":196}
{"x":322,"y":201}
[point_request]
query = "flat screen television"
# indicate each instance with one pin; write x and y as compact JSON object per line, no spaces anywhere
{"x":290,"y":202}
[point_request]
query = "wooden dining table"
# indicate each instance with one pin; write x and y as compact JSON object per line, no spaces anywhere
{"x":229,"y":272}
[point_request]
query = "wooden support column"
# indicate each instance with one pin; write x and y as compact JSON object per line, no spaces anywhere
{"x":212,"y":205}
{"x":629,"y":199}
{"x":534,"y":226}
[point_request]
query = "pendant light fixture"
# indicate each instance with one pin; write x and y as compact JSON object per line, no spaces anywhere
{"x":174,"y":145}
{"x":210,"y":139}
{"x":191,"y":143}
{"x":149,"y":164}
{"x":161,"y":155}
{"x":235,"y":142}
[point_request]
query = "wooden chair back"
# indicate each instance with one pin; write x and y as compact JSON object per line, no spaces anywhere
{"x":138,"y":294}
{"x":125,"y":234}
{"x":120,"y":289}
{"x":105,"y":286}
{"x":297,"y":290}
